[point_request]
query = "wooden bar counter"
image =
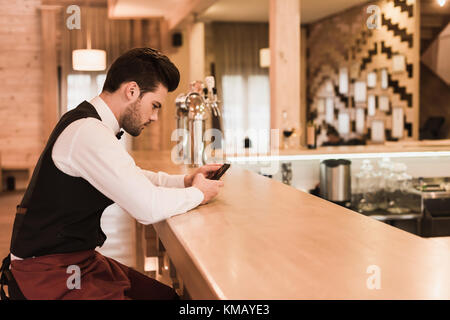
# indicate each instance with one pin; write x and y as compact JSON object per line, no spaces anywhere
{"x":261,"y":239}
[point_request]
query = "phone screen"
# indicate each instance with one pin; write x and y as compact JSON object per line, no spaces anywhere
{"x":220,"y":172}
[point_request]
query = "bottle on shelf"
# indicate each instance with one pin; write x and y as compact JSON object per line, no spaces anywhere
{"x":384,"y":171}
{"x":311,"y":132}
{"x":210,"y":94}
{"x":368,"y":184}
{"x":288,"y":129}
{"x":398,"y":184}
{"x":286,"y":173}
{"x":356,"y":194}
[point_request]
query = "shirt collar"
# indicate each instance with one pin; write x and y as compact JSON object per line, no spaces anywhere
{"x":105,"y":113}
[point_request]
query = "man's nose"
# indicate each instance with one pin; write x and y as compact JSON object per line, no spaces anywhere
{"x":154,"y":117}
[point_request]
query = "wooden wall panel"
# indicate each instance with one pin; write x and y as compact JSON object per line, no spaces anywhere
{"x":49,"y":18}
{"x":21,"y":106}
{"x":21,"y":69}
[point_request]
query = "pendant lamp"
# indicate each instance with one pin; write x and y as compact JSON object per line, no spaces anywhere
{"x":264,"y":57}
{"x":88,"y":59}
{"x":441,"y":2}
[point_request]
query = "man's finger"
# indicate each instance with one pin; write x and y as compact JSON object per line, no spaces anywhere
{"x":199,"y":174}
{"x":211,"y":166}
{"x":211,"y":169}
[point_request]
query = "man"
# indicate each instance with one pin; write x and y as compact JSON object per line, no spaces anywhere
{"x":82,"y":171}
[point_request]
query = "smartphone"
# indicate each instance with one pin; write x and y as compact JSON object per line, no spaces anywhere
{"x":219,"y":173}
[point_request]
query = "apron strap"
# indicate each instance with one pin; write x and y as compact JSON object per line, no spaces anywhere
{"x":21,"y":210}
{"x":7,"y":279}
{"x":3,"y":280}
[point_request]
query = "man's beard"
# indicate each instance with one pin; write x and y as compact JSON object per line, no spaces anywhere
{"x":131,"y":120}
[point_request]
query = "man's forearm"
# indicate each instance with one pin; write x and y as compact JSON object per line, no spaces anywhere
{"x":163,"y":179}
{"x":187,"y":181}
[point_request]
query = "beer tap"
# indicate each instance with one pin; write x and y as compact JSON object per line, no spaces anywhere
{"x":193,"y":109}
{"x":212,"y":100}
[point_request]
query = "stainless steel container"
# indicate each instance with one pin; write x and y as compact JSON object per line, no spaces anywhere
{"x":193,"y":110}
{"x":197,"y":115}
{"x":191,"y":116}
{"x":182,"y":124}
{"x":335,"y":180}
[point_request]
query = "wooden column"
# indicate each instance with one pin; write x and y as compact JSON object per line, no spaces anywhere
{"x":197,"y":57}
{"x":197,"y":51}
{"x":164,"y":36}
{"x":50,"y":68}
{"x":284,"y":39}
{"x":416,"y":71}
{"x":1,"y":177}
{"x":167,"y":113}
{"x":303,"y":104}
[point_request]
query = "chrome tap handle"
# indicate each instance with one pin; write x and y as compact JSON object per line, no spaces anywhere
{"x":214,"y":110}
{"x":217,"y":110}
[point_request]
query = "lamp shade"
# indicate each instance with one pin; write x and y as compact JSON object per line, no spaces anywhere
{"x":264,"y":58}
{"x":89,"y":60}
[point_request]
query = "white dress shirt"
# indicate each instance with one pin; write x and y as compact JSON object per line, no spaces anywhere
{"x":88,"y":148}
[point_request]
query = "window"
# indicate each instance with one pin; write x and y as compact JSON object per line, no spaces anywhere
{"x":246,"y":111}
{"x":259,"y":111}
{"x":83,"y":86}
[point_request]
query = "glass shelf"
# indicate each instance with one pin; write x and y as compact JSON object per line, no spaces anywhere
{"x":390,"y":217}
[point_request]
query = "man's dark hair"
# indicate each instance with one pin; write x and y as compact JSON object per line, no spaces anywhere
{"x":147,"y":67}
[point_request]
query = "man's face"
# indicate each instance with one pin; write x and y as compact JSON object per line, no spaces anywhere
{"x":142,"y":112}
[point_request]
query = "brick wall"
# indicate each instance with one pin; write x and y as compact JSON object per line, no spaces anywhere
{"x":345,"y":41}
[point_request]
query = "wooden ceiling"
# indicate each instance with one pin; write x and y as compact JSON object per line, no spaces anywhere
{"x":432,"y":7}
{"x":65,"y":3}
{"x":224,"y":10}
{"x":258,"y":10}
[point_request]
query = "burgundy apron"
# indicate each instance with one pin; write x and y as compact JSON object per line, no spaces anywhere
{"x":46,"y":277}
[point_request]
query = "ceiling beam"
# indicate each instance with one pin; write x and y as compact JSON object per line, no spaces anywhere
{"x":66,"y":3}
{"x":111,"y":6}
{"x":187,"y":8}
{"x":284,"y":72}
{"x":134,"y":13}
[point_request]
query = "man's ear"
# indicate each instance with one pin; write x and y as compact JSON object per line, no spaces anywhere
{"x":132,"y":91}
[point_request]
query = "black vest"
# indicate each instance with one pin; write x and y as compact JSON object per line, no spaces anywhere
{"x":62,"y":212}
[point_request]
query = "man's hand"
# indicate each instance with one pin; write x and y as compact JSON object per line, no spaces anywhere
{"x":206,"y":171}
{"x":210,"y":188}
